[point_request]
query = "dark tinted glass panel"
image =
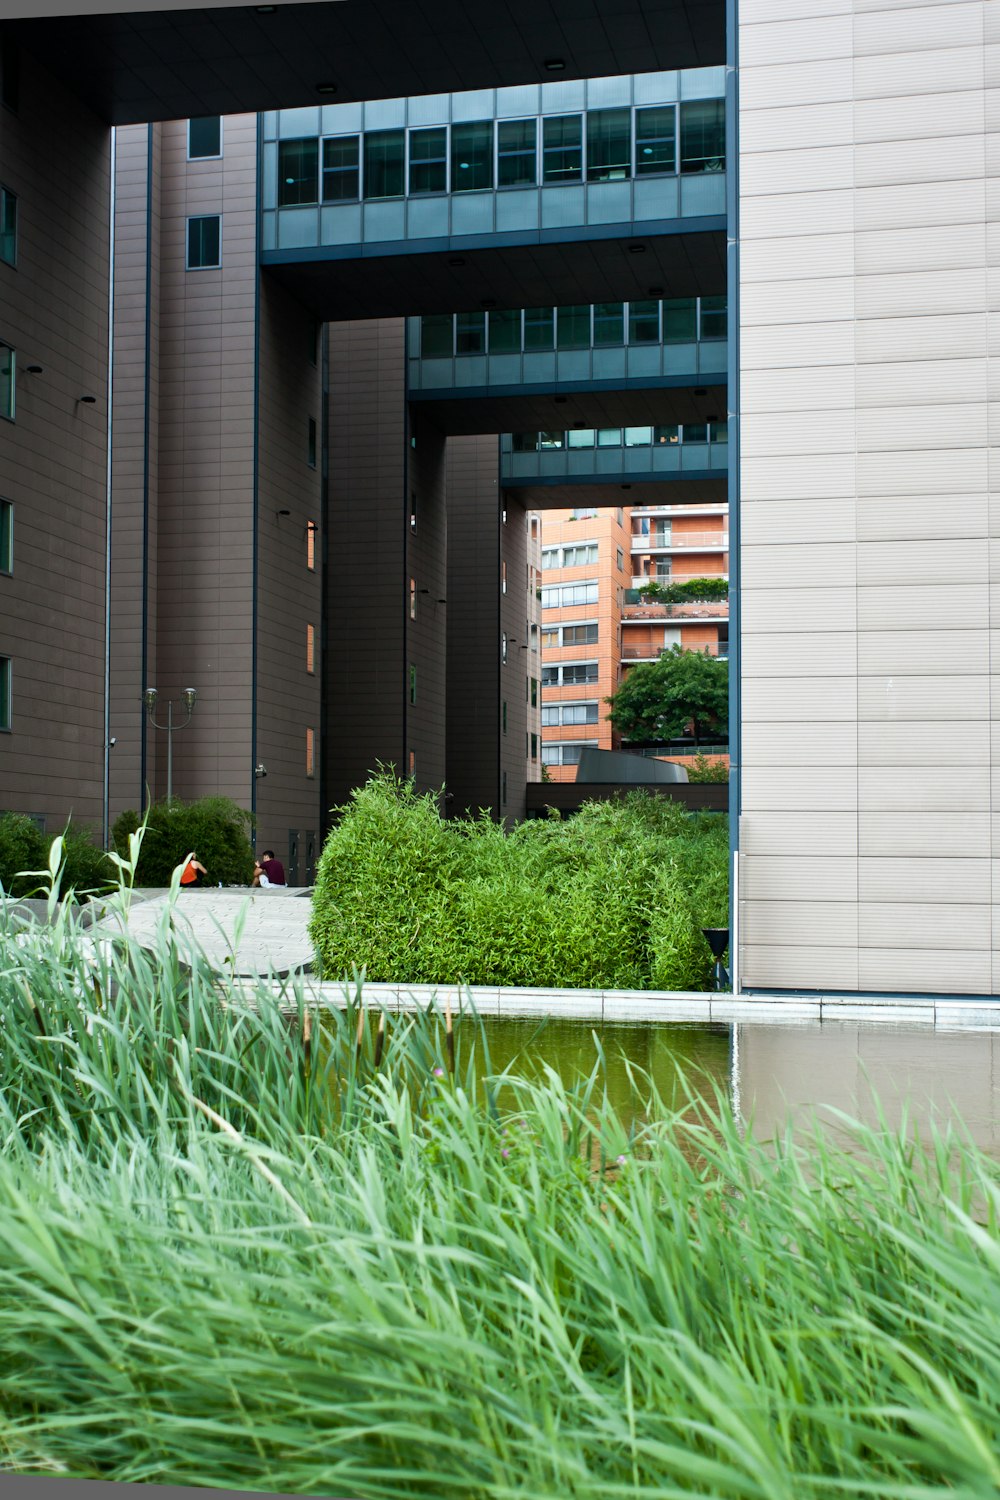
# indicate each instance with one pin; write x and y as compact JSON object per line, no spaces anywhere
{"x":8,"y":227}
{"x":655,"y":143}
{"x":573,"y":324}
{"x":8,"y":375}
{"x":609,"y":437}
{"x":516,"y":152}
{"x":340,"y":169}
{"x":719,"y":432}
{"x":472,"y":156}
{"x":436,"y":336}
{"x":205,"y":136}
{"x":550,"y":440}
{"x":539,"y":330}
{"x":680,"y":321}
{"x":703,"y":136}
{"x":644,"y":322}
{"x":713,"y":317}
{"x":470,"y":333}
{"x":609,"y":148}
{"x":525,"y":442}
{"x":298,"y":180}
{"x":383,"y":164}
{"x":203,"y":242}
{"x":562,"y":149}
{"x":6,"y":536}
{"x":505,"y":332}
{"x":665,"y":435}
{"x":695,"y":432}
{"x":609,"y":323}
{"x":428,"y":160}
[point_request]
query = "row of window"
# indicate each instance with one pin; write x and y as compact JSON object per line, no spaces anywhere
{"x":565,"y":595}
{"x":577,"y":555}
{"x":616,"y":437}
{"x":680,"y":320}
{"x":557,"y":715}
{"x":602,"y":145}
{"x":570,"y":635}
{"x":562,"y":754}
{"x":570,"y":674}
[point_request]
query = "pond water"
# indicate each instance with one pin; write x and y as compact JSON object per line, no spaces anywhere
{"x":779,"y":1073}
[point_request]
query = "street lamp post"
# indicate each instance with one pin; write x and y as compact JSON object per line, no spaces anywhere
{"x":149,"y":698}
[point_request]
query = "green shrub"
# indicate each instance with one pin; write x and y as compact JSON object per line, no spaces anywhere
{"x":411,"y":898}
{"x":707,"y":769}
{"x":22,"y":849}
{"x":216,"y":829}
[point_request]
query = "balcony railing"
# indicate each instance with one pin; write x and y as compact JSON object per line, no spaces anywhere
{"x":653,"y":653}
{"x":664,"y":541}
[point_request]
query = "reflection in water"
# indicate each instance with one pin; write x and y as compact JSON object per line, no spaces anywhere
{"x":777,"y":1073}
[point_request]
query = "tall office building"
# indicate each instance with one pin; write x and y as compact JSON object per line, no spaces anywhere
{"x":826,"y":166}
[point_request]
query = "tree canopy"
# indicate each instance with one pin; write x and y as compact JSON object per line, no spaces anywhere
{"x":658,"y":699}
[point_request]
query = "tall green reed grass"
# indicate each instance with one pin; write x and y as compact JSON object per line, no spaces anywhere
{"x":615,"y":897}
{"x":247,"y":1246}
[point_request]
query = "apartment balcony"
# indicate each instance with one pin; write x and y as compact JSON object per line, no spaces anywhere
{"x":684,"y":541}
{"x":632,"y":654}
{"x":573,"y":460}
{"x":704,"y":611}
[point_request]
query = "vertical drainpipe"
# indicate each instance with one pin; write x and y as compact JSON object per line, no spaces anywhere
{"x":106,"y":800}
{"x":254,"y":628}
{"x":733,"y":387}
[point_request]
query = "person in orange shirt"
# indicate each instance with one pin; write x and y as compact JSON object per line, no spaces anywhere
{"x":191,"y":874}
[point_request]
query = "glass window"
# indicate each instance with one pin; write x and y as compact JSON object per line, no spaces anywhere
{"x":505,"y":332}
{"x":583,"y":672}
{"x":413,"y":598}
{"x":310,"y":752}
{"x":680,"y":320}
{"x":609,"y":146}
{"x":436,"y":336}
{"x":204,"y":243}
{"x":524,"y":442}
{"x":562,"y":148}
{"x":503,"y":716}
{"x":638,"y":437}
{"x":534,"y":747}
{"x":298,"y":180}
{"x":413,"y":684}
{"x":573,"y":327}
{"x":579,"y":713}
{"x":581,"y":556}
{"x":550,"y":637}
{"x":550,"y":755}
{"x":609,"y":437}
{"x":579,"y":593}
{"x":384,"y":152}
{"x":579,"y":635}
{"x":470,"y":333}
{"x":413,"y":510}
{"x":703,"y":136}
{"x":644,"y":322}
{"x":311,"y":443}
{"x":712,"y":320}
{"x":341,"y":156}
{"x":204,"y":137}
{"x":472,"y":157}
{"x":551,"y":557}
{"x":695,"y":432}
{"x":539,"y":328}
{"x":516,"y":141}
{"x":620,"y":560}
{"x":8,"y":375}
{"x":580,"y":437}
{"x":429,"y":160}
{"x":666,"y":434}
{"x":533,"y":692}
{"x":655,"y":140}
{"x":311,"y":546}
{"x":547,"y":441}
{"x":8,"y":226}
{"x":310,"y":649}
{"x":550,"y":718}
{"x":550,"y":598}
{"x":609,"y":323}
{"x":719,"y":432}
{"x":5,"y":692}
{"x":6,"y":537}
{"x":503,"y":577}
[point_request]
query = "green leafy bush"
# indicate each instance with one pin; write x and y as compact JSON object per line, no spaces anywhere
{"x":216,"y":829}
{"x":411,"y":898}
{"x":691,"y":591}
{"x":707,"y":769}
{"x":22,"y":849}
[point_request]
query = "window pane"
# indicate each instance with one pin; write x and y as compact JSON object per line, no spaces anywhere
{"x":298,"y":163}
{"x":549,"y":440}
{"x":428,"y":160}
{"x":655,"y":145}
{"x":580,"y":437}
{"x":505,"y":332}
{"x":609,"y":437}
{"x":644,"y":322}
{"x":6,"y":536}
{"x":638,"y":437}
{"x":609,"y":153}
{"x":472,"y":156}
{"x":719,"y":432}
{"x":680,"y":321}
{"x":695,"y":432}
{"x":203,"y":243}
{"x":340,"y":169}
{"x":5,"y":675}
{"x":205,"y":137}
{"x":8,"y":226}
{"x":384,"y":164}
{"x":525,"y":442}
{"x":516,"y":152}
{"x":573,"y":327}
{"x":609,"y":323}
{"x":713,"y":318}
{"x":470,"y":333}
{"x":436,"y":336}
{"x":666,"y":434}
{"x":539,"y":330}
{"x":703,"y":136}
{"x":562,"y":148}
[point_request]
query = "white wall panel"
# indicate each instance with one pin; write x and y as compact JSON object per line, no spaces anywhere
{"x":771,"y":521}
{"x":936,"y":70}
{"x":962,"y":202}
{"x":921,"y":293}
{"x":799,"y":788}
{"x":789,"y":878}
{"x":820,"y":475}
{"x":908,"y":117}
{"x":924,"y":971}
{"x":802,"y":83}
{"x":775,"y":215}
{"x":923,"y":652}
{"x":920,"y":382}
{"x":782,"y":923}
{"x":828,"y":653}
{"x":882,"y":339}
{"x":918,"y":698}
{"x":763,"y":434}
{"x":889,"y":429}
{"x":825,"y":744}
{"x":923,"y":924}
{"x":791,"y":347}
{"x":898,"y":563}
{"x":752,"y":12}
{"x":796,"y":608}
{"x":823,"y":388}
{"x":821,"y":300}
{"x":923,"y":788}
{"x":935,"y":159}
{"x":798,"y":700}
{"x":940,"y":26}
{"x":934,"y":601}
{"x":806,"y":968}
{"x":955,"y":881}
{"x":923,"y":743}
{"x":797,"y":564}
{"x":797,"y":258}
{"x":929,"y":517}
{"x":814,"y":38}
{"x":805,"y":833}
{"x":811,"y":125}
{"x":785,"y":171}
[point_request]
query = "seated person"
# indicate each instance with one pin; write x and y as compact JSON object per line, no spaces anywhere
{"x":268,"y":871}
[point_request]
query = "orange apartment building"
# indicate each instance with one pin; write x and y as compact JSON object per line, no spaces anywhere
{"x":596,"y":623}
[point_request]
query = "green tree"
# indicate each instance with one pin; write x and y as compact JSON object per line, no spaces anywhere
{"x":658,"y":699}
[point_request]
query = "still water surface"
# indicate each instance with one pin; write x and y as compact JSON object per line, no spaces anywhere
{"x":777,"y":1073}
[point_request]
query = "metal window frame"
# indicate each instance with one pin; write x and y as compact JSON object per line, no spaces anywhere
{"x":209,"y":155}
{"x":7,"y":530}
{"x":347,"y":135}
{"x":200,"y":219}
{"x":8,"y":195}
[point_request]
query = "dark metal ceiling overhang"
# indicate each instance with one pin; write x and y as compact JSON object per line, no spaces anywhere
{"x":562,"y":407}
{"x":600,"y":492}
{"x":228,"y":59}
